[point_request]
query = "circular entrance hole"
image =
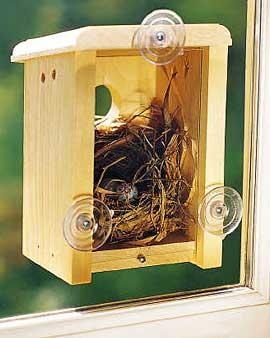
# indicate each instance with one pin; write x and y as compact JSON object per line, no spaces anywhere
{"x":103,"y":100}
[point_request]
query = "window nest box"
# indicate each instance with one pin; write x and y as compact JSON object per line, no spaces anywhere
{"x":64,"y":156}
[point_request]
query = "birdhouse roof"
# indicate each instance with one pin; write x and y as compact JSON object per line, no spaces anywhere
{"x":109,"y":38}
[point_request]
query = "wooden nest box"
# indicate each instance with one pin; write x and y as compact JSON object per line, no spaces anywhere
{"x":62,"y":72}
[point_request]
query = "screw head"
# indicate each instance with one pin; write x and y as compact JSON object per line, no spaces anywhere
{"x":141,"y":258}
{"x":219,"y":210}
{"x":84,"y":223}
{"x":160,"y":36}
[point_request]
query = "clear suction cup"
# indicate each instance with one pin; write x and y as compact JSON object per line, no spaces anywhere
{"x":220,"y":211}
{"x":87,"y":224}
{"x":161,"y":37}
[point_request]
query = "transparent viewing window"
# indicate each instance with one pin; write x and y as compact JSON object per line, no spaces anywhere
{"x":146,"y":150}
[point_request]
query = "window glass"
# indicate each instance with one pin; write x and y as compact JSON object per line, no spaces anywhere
{"x":26,"y":287}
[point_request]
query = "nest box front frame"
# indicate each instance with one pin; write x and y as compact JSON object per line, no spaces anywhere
{"x":61,"y":74}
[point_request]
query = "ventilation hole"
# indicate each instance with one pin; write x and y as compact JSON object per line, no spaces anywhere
{"x":42,"y":78}
{"x":54,"y":74}
{"x":103,"y":100}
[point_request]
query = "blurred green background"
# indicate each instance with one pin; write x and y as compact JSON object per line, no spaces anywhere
{"x":24,"y":286}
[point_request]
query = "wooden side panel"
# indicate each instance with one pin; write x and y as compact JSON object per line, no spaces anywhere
{"x":212,"y":144}
{"x":58,"y":143}
{"x":185,"y":98}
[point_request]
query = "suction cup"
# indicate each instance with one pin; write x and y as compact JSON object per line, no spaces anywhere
{"x":220,"y":211}
{"x":87,"y":224}
{"x":161,"y":37}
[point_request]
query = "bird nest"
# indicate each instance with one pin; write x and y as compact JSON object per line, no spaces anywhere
{"x":139,"y":173}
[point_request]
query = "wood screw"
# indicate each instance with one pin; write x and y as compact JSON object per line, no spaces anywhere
{"x":141,"y":258}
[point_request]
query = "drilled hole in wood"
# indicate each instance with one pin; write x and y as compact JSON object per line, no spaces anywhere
{"x":141,"y":258}
{"x":52,"y":255}
{"x":38,"y":246}
{"x":54,"y":74}
{"x":103,"y":100}
{"x":42,"y":78}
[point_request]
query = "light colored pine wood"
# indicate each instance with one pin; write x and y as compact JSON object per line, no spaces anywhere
{"x":117,"y":259}
{"x":59,"y":138}
{"x":212,"y":144}
{"x":131,"y":81}
{"x":58,"y":143}
{"x":111,"y":37}
{"x":123,"y":257}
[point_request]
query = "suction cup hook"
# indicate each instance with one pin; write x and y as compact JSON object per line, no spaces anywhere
{"x":161,"y":37}
{"x":87,"y":224}
{"x":220,"y":211}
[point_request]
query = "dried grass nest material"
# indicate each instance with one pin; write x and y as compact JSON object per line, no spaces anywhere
{"x":138,"y":174}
